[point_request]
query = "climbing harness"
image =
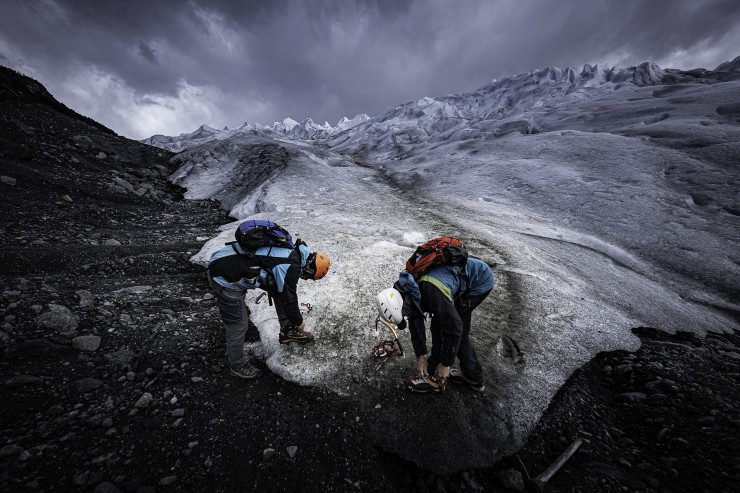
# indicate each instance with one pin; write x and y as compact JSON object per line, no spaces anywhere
{"x":387,"y":348}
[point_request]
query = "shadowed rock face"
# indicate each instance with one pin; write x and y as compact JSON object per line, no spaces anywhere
{"x":231,"y":171}
{"x":16,"y":87}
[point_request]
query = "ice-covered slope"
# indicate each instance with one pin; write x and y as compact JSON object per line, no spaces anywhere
{"x":514,"y":104}
{"x":493,"y":108}
{"x":619,"y":210}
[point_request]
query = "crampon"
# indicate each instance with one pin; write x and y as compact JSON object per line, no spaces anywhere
{"x":388,"y":348}
{"x":384,"y":349}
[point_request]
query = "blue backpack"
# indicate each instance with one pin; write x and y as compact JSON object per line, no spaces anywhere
{"x":253,"y":234}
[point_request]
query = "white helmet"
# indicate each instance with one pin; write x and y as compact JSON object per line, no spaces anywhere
{"x":390,"y":305}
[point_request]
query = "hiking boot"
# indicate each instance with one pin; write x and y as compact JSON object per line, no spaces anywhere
{"x":294,"y":335}
{"x":425,"y":385}
{"x":458,"y":377}
{"x":246,"y":372}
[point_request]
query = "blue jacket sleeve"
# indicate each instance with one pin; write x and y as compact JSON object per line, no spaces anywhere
{"x":408,"y":288}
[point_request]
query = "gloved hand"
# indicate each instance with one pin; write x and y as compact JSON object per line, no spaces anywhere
{"x":463,"y":304}
{"x":402,"y":325}
{"x":442,"y":371}
{"x":421,"y":365}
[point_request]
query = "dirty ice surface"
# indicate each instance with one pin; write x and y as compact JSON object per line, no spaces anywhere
{"x":620,"y":211}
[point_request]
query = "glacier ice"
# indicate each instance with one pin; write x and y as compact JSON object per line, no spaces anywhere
{"x":607,"y":199}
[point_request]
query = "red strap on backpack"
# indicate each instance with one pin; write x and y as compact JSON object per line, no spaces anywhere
{"x":435,"y":252}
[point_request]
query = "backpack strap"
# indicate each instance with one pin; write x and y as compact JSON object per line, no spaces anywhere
{"x":464,"y":275}
{"x":235,"y":247}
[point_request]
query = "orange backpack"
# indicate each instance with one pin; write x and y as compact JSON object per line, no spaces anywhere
{"x":439,"y":251}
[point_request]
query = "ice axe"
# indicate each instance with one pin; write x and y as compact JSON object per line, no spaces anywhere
{"x":390,"y":312}
{"x":537,"y":484}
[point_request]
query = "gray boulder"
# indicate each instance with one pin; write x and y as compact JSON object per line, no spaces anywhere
{"x":58,"y":318}
{"x":144,"y":401}
{"x":631,"y":397}
{"x":85,"y":297}
{"x":133,"y":290}
{"x":167,"y":481}
{"x":510,"y":479}
{"x":106,"y":487}
{"x":22,"y":381}
{"x":86,"y":343}
{"x":88,"y":384}
{"x":83,"y":141}
{"x":124,"y":184}
{"x":122,"y":357}
{"x":10,"y":450}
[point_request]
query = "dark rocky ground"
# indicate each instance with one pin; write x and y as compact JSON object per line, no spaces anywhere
{"x":112,"y":371}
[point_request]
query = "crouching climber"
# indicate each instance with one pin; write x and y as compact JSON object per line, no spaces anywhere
{"x":449,"y":287}
{"x":263,"y":257}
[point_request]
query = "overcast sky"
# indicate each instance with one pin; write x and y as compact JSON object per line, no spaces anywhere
{"x":167,"y":66}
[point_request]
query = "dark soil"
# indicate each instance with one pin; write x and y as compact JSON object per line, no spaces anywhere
{"x":662,"y":419}
{"x":87,"y":214}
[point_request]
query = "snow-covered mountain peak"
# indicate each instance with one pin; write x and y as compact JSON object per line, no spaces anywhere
{"x":202,"y":131}
{"x":569,"y":77}
{"x":285,"y":126}
{"x":346,"y":123}
{"x":518,"y":103}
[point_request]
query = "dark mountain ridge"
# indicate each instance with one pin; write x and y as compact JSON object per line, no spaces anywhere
{"x":17,"y":87}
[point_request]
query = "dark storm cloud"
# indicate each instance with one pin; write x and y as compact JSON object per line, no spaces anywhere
{"x":148,"y":53}
{"x":225,"y":62}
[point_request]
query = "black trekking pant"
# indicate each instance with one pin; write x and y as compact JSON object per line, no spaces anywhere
{"x":274,"y":298}
{"x":450,"y":329}
{"x":469,"y":364}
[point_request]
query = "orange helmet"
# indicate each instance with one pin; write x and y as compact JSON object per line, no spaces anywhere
{"x":319,"y":264}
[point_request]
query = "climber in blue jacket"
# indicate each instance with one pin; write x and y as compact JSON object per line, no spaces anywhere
{"x":450,"y":298}
{"x":232,"y":272}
